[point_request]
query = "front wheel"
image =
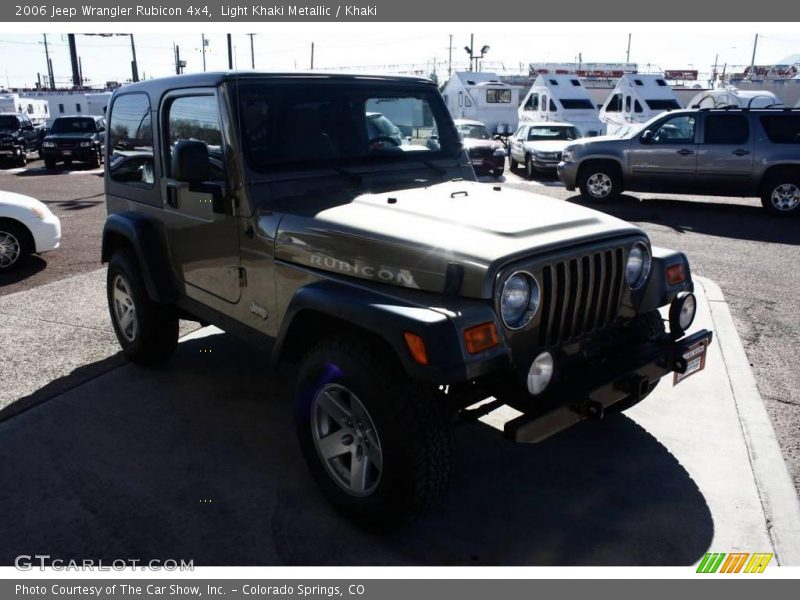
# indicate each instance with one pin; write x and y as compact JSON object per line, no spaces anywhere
{"x":22,"y":158}
{"x":781,"y":195}
{"x":530,"y":170}
{"x":379,"y":447}
{"x":512,"y":164}
{"x":147,"y":331}
{"x":600,"y":183}
{"x":14,"y":245}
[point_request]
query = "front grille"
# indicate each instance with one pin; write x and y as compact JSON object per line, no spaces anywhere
{"x":67,"y":144}
{"x":580,"y":295}
{"x":549,"y":155}
{"x":481,"y":152}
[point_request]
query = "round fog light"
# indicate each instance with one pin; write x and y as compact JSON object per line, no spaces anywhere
{"x":681,"y":313}
{"x":540,"y":373}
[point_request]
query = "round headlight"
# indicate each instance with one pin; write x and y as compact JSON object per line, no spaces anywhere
{"x":540,"y":373}
{"x":638,"y":267}
{"x":682,"y":312}
{"x":519,"y":300}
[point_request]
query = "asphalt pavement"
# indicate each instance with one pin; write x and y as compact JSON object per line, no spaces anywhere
{"x":198,"y":460}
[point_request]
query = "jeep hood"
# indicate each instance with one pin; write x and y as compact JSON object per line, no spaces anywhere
{"x":410,"y":237}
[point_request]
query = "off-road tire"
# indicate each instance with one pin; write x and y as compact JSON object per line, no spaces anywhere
{"x":589,"y":191}
{"x":157,"y":324}
{"x":413,"y":427}
{"x":650,"y":326}
{"x":791,"y":182}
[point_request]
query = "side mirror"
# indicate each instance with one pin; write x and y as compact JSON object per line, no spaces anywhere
{"x":497,"y":137}
{"x":647,"y":137}
{"x":190,"y":161}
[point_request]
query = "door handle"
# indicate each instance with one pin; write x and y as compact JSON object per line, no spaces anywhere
{"x":172,"y":196}
{"x":741,"y":152}
{"x":685,"y":152}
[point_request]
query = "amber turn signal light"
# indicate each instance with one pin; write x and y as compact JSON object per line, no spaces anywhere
{"x":417,"y":347}
{"x":481,"y":337}
{"x":676,"y":274}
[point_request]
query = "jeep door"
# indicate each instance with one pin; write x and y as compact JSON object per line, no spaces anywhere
{"x":203,"y":242}
{"x":725,"y":154}
{"x":665,"y":159}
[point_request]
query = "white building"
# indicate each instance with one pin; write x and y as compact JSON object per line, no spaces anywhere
{"x":483,"y":97}
{"x":561,"y":98}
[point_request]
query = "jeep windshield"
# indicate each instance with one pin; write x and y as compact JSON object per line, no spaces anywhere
{"x":320,"y":124}
{"x":9,"y":122}
{"x":73,"y":125}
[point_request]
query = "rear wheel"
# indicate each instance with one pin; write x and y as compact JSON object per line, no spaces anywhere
{"x":379,"y":447}
{"x":530,"y":170}
{"x":15,"y":244}
{"x":781,"y":195}
{"x":600,"y":182}
{"x":147,"y":331}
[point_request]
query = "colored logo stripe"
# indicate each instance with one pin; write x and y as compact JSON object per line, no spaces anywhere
{"x":721,"y":562}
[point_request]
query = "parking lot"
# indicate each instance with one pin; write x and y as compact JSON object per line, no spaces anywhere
{"x":211,"y":438}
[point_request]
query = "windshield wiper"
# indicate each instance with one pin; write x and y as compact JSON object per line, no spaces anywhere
{"x":433,"y":166}
{"x":354,"y":177}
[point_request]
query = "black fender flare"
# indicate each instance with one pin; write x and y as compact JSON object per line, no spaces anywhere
{"x":381,"y":315}
{"x":148,"y":243}
{"x":658,"y":292}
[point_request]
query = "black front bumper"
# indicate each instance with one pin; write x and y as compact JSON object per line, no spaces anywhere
{"x":77,"y":154}
{"x":588,"y":392}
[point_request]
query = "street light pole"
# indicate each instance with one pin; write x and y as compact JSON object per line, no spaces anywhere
{"x":252,"y":51}
{"x":230,"y":52}
{"x":134,"y":64}
{"x":203,"y":49}
{"x":50,"y":77}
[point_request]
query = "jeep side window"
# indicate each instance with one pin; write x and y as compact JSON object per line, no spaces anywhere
{"x":131,"y":141}
{"x":726,"y":129}
{"x":677,"y":130}
{"x":197,"y":118}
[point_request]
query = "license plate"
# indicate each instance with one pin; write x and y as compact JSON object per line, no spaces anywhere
{"x":695,"y":356}
{"x":477,"y":162}
{"x":66,"y":152}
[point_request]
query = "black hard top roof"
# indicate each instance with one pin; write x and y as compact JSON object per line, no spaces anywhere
{"x":163,"y":84}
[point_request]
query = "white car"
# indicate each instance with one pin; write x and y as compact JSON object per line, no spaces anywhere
{"x":26,"y":227}
{"x":538,"y":146}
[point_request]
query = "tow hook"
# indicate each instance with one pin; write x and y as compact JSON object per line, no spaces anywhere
{"x":592,"y":410}
{"x":634,"y":385}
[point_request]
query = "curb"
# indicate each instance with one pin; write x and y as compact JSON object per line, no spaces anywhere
{"x":775,"y":487}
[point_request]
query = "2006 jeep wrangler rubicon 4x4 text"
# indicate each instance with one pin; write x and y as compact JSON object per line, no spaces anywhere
{"x":404,"y":290}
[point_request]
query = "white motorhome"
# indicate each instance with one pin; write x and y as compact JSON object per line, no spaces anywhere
{"x":483,"y":97}
{"x":37,"y":109}
{"x":636,"y":99}
{"x":731,"y":96}
{"x":70,"y":102}
{"x":561,"y":98}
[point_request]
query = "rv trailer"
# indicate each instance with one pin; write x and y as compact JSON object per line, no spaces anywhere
{"x":485,"y":98}
{"x":561,"y":98}
{"x":635,"y":100}
{"x":731,"y":96}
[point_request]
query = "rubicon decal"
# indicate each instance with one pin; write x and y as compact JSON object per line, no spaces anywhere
{"x":734,"y":562}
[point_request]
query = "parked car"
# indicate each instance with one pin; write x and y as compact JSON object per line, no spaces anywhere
{"x":404,"y":290}
{"x":719,"y":152}
{"x":26,"y":227}
{"x":382,"y":131}
{"x":539,"y":146}
{"x":19,"y":137}
{"x":486,"y":154}
{"x":76,"y":138}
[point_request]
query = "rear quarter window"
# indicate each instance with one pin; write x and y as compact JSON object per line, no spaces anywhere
{"x":782,"y":129}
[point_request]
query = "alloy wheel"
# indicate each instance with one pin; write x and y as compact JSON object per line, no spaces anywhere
{"x":346,"y":440}
{"x":124,"y":308}
{"x":10,"y":249}
{"x":786,"y":197}
{"x":599,"y":185}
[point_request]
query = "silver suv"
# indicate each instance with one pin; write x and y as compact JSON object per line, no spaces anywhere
{"x":721,"y":152}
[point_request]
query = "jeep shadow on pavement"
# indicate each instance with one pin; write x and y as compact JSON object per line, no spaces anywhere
{"x":404,"y":291}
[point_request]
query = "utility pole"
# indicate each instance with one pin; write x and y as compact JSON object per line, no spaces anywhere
{"x":49,"y":64}
{"x":753,"y":60}
{"x":471,"y":47}
{"x":450,"y":57}
{"x":73,"y":55}
{"x":714,"y":72}
{"x":178,"y":69}
{"x":230,"y":52}
{"x":312,"y":56}
{"x":134,"y":64}
{"x":203,"y":49}
{"x":80,"y":70}
{"x":252,"y":52}
{"x":628,"y":53}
